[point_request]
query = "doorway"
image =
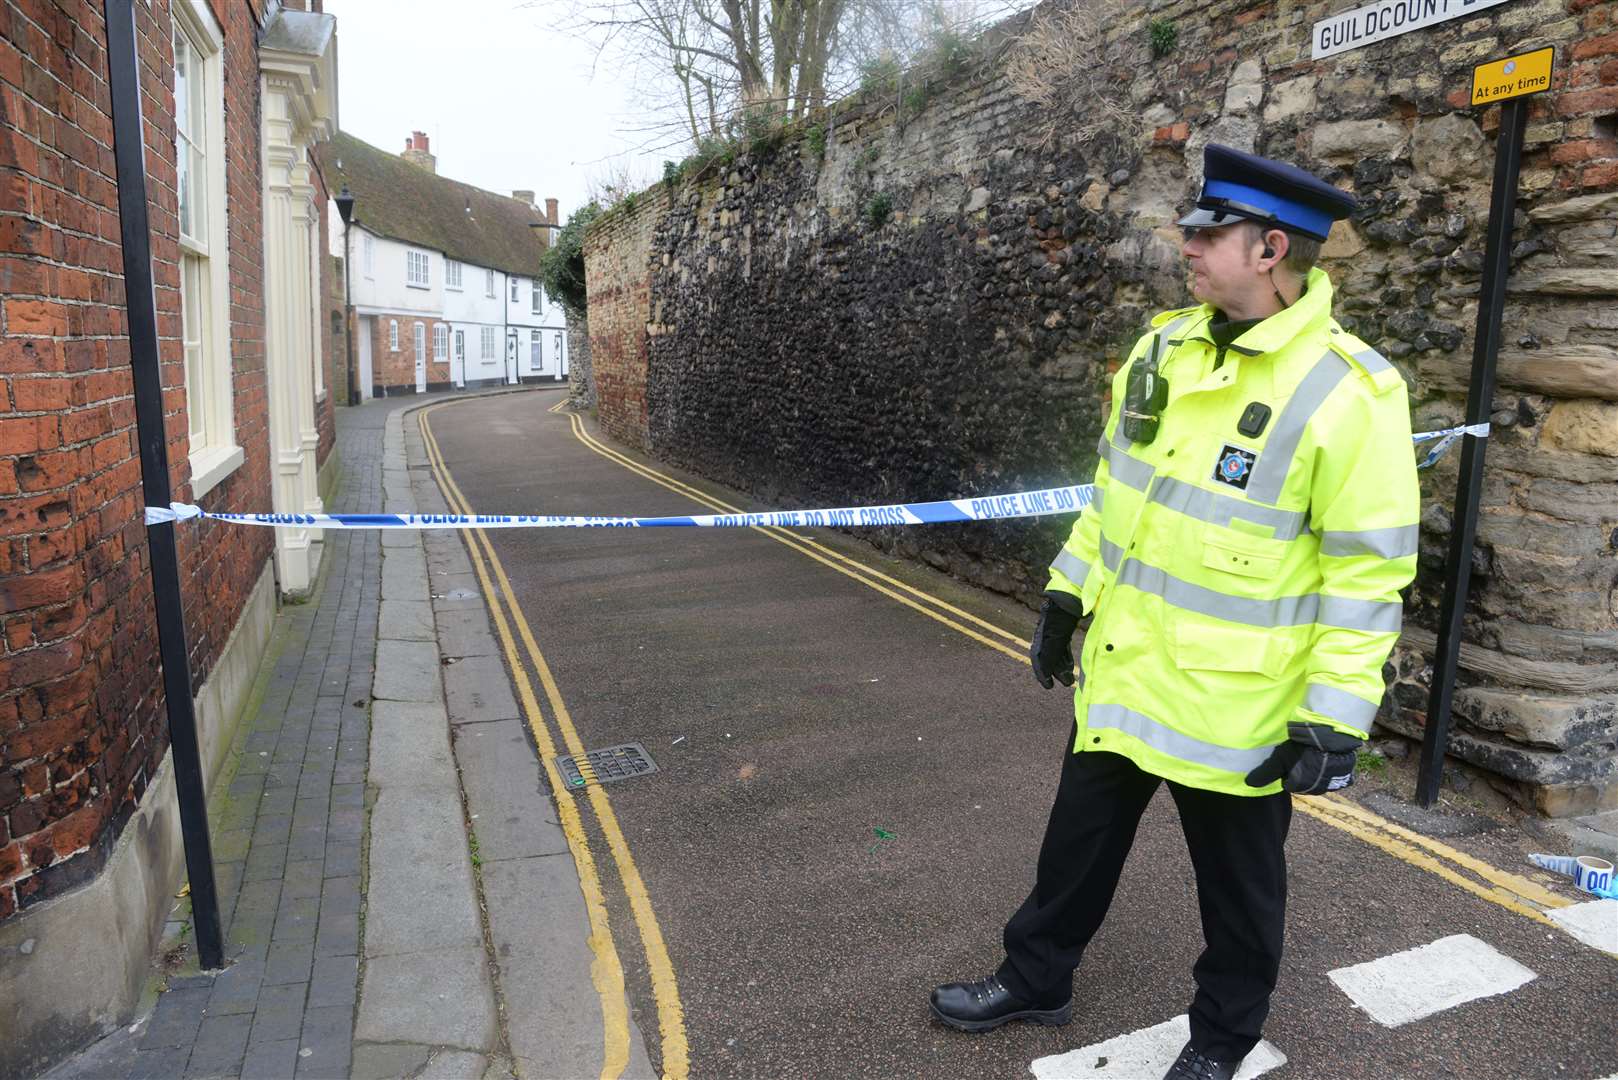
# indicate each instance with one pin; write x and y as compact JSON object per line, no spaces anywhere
{"x":421,"y":358}
{"x":367,"y":327}
{"x":458,"y":372}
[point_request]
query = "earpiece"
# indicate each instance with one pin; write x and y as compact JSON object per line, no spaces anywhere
{"x":1269,"y":252}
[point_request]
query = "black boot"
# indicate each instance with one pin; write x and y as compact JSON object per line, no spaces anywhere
{"x":986,"y":1004}
{"x":1193,"y":1064}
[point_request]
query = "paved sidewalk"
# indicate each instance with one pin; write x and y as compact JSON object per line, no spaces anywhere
{"x":288,"y":831}
{"x":389,"y":858}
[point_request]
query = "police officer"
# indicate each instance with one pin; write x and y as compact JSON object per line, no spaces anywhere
{"x":1254,"y":519}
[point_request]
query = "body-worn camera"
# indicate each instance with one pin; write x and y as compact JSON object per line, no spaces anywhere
{"x":1146,"y":395}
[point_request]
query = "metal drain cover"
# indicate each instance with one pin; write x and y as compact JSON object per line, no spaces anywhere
{"x":604,"y":766}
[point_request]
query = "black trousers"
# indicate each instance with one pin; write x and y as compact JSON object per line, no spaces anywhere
{"x":1237,"y":850}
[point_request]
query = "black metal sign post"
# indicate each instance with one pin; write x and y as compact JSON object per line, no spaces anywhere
{"x":1469,"y":487}
{"x":129,"y":148}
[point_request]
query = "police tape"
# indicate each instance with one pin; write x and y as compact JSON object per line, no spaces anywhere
{"x":1018,"y":504}
{"x":1445,"y":438}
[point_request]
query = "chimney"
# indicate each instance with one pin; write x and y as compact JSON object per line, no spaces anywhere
{"x":416,"y":153}
{"x":524,"y":197}
{"x":550,"y":211}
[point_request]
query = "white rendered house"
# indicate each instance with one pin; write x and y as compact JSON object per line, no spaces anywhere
{"x":441,"y":275}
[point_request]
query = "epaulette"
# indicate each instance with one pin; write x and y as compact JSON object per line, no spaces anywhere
{"x":1371,"y":366}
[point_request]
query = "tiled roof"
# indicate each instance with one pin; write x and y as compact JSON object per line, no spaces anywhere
{"x":405,"y":202}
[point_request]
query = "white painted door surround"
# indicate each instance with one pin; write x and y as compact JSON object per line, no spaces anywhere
{"x":298,"y":77}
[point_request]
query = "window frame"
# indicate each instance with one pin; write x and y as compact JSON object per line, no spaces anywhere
{"x":516,"y":287}
{"x":440,"y":343}
{"x":488,"y":284}
{"x":488,"y":346}
{"x":418,"y":269}
{"x":393,"y":335}
{"x":204,"y":257}
{"x":452,"y":274}
{"x":369,"y":250}
{"x":537,"y":302}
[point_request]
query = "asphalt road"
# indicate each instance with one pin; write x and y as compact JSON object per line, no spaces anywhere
{"x":793,"y":713}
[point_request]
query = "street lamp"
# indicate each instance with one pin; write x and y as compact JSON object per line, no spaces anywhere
{"x":345,"y":210}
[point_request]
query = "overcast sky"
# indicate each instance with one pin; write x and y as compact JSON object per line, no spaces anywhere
{"x":507,"y":102}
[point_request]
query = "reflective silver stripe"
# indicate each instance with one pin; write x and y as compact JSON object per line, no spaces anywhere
{"x":1340,"y":705}
{"x":1070,"y":566}
{"x":1282,"y":611}
{"x":1125,"y":468}
{"x":1372,"y":361}
{"x":1395,"y":543}
{"x":1220,"y":509}
{"x":1176,"y":744}
{"x":1170,"y":327}
{"x":1275,"y":459}
{"x":1372,"y":616}
{"x":1098,"y":497}
{"x":1111,"y":554}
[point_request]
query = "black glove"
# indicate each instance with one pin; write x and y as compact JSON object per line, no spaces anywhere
{"x":1052,"y":647}
{"x":1315,"y":759}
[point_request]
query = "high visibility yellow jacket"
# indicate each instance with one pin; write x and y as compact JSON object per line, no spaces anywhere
{"x":1240,"y":581}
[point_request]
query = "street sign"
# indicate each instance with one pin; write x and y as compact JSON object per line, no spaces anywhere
{"x":1385,"y":19}
{"x":1514,"y":76}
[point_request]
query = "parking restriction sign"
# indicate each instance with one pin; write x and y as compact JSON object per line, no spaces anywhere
{"x":1513,"y":76}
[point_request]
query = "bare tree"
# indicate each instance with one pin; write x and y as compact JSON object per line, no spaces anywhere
{"x":1059,"y":64}
{"x":713,"y":68}
{"x":612,"y":181}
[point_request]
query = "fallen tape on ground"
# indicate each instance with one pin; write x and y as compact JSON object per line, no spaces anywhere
{"x":1017,"y":504}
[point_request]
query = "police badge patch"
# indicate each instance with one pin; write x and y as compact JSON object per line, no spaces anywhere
{"x":1234,"y":466}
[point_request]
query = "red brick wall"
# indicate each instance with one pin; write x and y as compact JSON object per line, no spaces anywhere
{"x":82,"y":723}
{"x":395,"y":372}
{"x":618,"y":278}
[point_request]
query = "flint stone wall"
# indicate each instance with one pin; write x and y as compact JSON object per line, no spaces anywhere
{"x":581,"y":383}
{"x":765,"y":327}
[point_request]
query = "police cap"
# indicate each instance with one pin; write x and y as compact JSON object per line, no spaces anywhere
{"x":1237,"y":185}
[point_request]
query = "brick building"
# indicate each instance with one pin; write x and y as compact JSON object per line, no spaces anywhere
{"x":444,"y":276}
{"x":233,"y":97}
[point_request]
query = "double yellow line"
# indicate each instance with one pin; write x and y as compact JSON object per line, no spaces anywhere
{"x":606,"y":971}
{"x":964,"y":622}
{"x":1511,"y":891}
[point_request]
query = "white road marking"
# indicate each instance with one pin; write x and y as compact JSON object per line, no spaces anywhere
{"x":1429,"y":979}
{"x":1145,"y":1053}
{"x":1594,"y":922}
